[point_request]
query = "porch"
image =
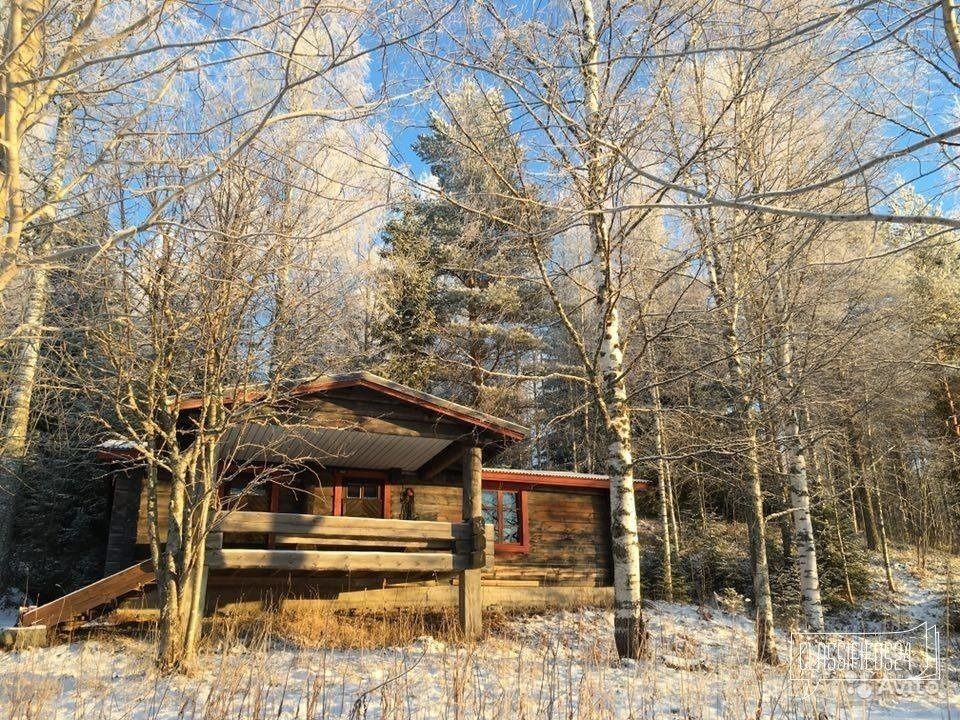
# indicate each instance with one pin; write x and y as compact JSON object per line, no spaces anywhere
{"x":354,"y":484}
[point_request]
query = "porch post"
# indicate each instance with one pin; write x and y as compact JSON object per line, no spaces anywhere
{"x":471,"y":601}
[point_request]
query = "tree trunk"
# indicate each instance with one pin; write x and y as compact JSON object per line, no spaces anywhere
{"x":206,"y":488}
{"x":16,"y":422}
{"x":795,"y":465}
{"x":629,"y":631}
{"x":701,"y":496}
{"x":663,"y":488}
{"x":763,"y":605}
{"x":662,"y":494}
{"x":21,"y":56}
{"x":872,"y":488}
{"x":806,"y":553}
{"x":884,"y":549}
{"x":674,"y":505}
{"x":862,"y":495}
{"x":831,"y":490}
{"x":171,"y":576}
{"x":766,"y":643}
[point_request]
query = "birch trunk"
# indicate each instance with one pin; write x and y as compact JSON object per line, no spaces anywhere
{"x":629,"y":632}
{"x":16,"y":424}
{"x":805,"y":546}
{"x":749,"y":422}
{"x":13,"y":435}
{"x":663,"y":492}
{"x":21,"y":54}
{"x":766,"y":643}
{"x":795,"y":464}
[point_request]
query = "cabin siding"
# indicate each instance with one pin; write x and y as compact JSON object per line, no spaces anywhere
{"x":569,"y":541}
{"x":569,"y":533}
{"x":122,"y":532}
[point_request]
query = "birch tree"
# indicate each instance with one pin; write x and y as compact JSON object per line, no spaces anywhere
{"x":581,"y":83}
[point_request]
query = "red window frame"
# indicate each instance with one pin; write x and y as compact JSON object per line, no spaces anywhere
{"x":524,"y":545}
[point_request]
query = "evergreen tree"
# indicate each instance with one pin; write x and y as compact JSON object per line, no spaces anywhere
{"x":458,"y":302}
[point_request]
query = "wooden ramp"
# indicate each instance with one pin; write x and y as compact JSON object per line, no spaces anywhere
{"x":95,"y":595}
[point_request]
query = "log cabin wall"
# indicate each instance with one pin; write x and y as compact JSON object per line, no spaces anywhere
{"x":124,"y":521}
{"x":569,"y":532}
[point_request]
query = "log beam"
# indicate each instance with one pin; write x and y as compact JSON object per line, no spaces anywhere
{"x":334,"y":560}
{"x":470,"y":586}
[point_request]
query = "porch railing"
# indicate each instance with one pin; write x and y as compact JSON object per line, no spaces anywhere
{"x":349,"y":544}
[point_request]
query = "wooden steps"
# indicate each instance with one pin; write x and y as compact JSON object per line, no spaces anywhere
{"x":102,"y":592}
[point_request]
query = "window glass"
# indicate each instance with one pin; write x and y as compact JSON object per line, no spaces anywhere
{"x":501,"y":508}
{"x":510,"y":511}
{"x":371,"y":490}
{"x":354,"y":490}
{"x":490,"y":508}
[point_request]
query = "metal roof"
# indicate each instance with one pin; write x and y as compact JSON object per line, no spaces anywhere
{"x":331,"y":447}
{"x":548,"y":473}
{"x":552,"y":478}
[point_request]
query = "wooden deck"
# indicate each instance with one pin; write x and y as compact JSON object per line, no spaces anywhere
{"x":311,"y":543}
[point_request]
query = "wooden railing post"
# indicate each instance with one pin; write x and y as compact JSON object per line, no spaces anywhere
{"x":213,"y":543}
{"x":471,"y":600}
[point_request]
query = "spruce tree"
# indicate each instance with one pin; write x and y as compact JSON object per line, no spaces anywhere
{"x":458,"y":300}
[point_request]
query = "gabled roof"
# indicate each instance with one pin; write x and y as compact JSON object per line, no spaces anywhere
{"x":446,"y":408}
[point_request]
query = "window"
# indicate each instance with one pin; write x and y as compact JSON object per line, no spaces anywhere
{"x":506,"y":511}
{"x":364,"y":491}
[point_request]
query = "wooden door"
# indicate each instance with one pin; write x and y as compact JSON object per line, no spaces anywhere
{"x":363,"y":498}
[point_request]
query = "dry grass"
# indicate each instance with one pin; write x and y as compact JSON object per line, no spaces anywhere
{"x":339,"y":629}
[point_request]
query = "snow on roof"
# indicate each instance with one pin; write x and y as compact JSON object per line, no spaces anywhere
{"x":547,"y":473}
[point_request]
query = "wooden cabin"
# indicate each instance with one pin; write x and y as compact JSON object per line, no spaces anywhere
{"x":360,"y":483}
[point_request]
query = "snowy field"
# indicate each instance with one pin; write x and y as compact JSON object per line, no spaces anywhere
{"x":555,"y":666}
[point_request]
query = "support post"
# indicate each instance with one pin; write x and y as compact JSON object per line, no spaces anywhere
{"x":214,"y":543}
{"x":471,"y":601}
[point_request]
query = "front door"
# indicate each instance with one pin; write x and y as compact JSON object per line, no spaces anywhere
{"x":363,"y":499}
{"x":362,"y":493}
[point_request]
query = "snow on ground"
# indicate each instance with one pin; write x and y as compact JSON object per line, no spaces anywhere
{"x":551,"y":666}
{"x":917,"y":597}
{"x":559,"y":665}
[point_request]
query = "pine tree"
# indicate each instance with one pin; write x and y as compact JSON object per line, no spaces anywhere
{"x":458,"y":302}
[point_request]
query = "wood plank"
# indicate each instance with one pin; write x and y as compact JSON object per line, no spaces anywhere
{"x":342,"y":561}
{"x":101,"y":592}
{"x":330,"y":526}
{"x":428,"y":544}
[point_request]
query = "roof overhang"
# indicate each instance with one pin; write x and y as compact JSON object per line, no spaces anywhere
{"x":552,"y":478}
{"x":297,"y":444}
